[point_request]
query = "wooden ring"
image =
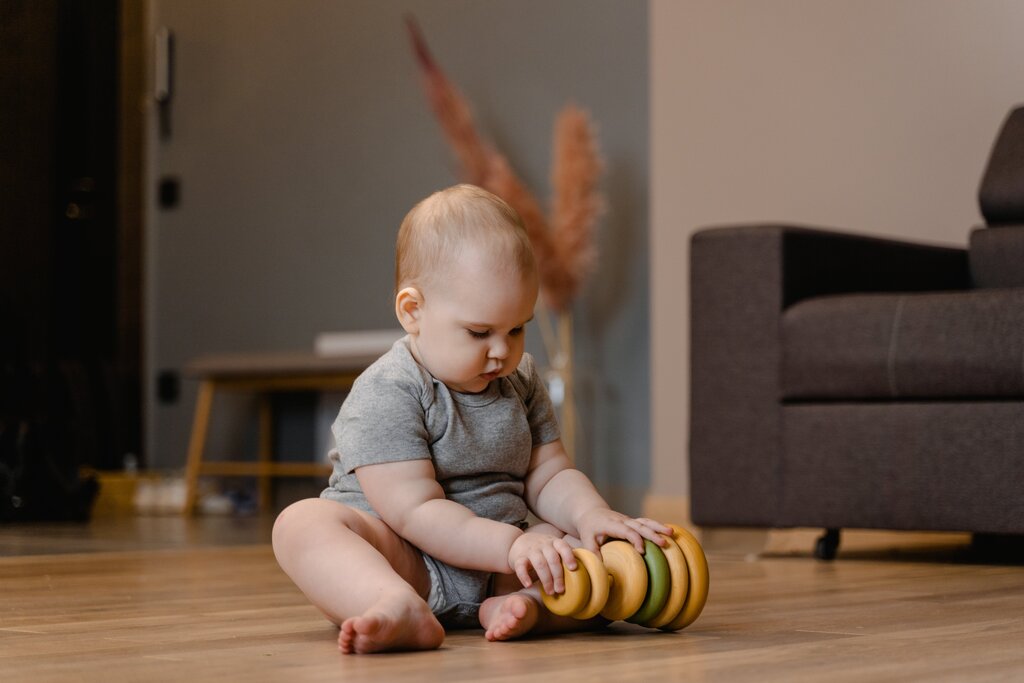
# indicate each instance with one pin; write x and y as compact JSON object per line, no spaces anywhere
{"x":697,"y":565}
{"x":576,"y":595}
{"x":599,"y":583}
{"x":658,"y":584}
{"x":628,"y":580}
{"x":679,"y":576}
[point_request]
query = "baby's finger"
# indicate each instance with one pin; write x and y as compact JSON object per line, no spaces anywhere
{"x":656,"y":525}
{"x":591,"y":542}
{"x":523,"y":572}
{"x":572,"y":541}
{"x":554,"y":561}
{"x":631,"y":535}
{"x":541,"y":569}
{"x":651,"y":533}
{"x":565,"y":552}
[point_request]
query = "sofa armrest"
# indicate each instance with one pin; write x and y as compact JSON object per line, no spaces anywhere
{"x":735,"y":425}
{"x":741,"y":279}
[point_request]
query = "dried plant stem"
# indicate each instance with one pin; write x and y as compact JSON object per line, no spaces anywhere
{"x":564,"y":241}
{"x":547,"y":332}
{"x":569,"y":402}
{"x":576,"y":203}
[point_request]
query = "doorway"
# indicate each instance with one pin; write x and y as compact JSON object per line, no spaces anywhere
{"x":70,"y":237}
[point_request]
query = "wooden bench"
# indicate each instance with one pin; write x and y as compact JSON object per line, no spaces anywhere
{"x":262,"y":374}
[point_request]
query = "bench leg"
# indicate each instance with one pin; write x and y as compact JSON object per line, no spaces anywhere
{"x":196,"y":444}
{"x":266,"y":448}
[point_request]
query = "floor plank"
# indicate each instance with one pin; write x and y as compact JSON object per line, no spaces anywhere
{"x":196,"y":606}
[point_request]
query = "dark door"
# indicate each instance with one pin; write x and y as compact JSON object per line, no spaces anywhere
{"x":70,"y":382}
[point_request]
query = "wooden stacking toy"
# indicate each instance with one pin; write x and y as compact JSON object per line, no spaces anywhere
{"x":664,"y":588}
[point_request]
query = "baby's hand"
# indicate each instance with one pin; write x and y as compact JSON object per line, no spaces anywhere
{"x":600,"y":524}
{"x":543,"y":554}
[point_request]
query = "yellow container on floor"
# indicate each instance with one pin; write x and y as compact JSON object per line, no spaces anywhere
{"x":117,"y":493}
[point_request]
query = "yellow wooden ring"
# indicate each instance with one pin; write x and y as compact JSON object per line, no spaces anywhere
{"x":628,"y":577}
{"x":576,"y":595}
{"x":599,"y":583}
{"x":699,"y":579}
{"x":679,"y":576}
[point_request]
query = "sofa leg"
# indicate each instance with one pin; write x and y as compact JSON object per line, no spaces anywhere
{"x":999,"y":548}
{"x":827,"y":545}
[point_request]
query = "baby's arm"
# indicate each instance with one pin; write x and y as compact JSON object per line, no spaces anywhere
{"x":563,"y":496}
{"x":409,"y":499}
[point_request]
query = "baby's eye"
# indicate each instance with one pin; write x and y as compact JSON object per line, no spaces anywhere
{"x":516,"y":331}
{"x":478,"y":335}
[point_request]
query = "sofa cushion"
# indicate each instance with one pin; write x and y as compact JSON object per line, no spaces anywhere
{"x":997,"y":257}
{"x":905,"y":346}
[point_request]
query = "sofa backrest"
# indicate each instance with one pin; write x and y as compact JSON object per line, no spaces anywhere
{"x":997,"y":252}
{"x":1001,"y":194}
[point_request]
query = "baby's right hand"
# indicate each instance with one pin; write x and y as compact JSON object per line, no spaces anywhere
{"x":543,"y":554}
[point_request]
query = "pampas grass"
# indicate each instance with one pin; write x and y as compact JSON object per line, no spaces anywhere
{"x":564,"y":245}
{"x":452,"y":112}
{"x":575,"y":173}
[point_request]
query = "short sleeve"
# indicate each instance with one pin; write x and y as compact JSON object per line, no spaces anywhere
{"x":539,"y":411}
{"x":382,"y":420}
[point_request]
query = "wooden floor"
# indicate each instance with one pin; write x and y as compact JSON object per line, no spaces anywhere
{"x":170,"y":600}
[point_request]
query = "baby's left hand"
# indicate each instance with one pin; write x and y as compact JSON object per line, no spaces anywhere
{"x":600,"y":524}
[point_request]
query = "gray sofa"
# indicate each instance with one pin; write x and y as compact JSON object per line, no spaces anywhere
{"x":847,"y":381}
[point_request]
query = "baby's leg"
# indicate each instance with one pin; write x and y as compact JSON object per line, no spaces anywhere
{"x":361,"y":574}
{"x":514,"y":611}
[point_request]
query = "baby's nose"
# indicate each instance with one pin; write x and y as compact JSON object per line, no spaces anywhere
{"x":499,"y":350}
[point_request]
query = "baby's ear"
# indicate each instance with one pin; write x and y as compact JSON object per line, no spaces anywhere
{"x":408,"y":303}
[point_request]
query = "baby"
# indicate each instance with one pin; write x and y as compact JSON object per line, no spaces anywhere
{"x":443,"y":446}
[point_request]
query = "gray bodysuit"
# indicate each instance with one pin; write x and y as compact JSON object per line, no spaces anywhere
{"x":480,"y":446}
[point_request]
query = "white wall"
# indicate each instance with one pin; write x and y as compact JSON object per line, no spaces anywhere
{"x":874,"y":116}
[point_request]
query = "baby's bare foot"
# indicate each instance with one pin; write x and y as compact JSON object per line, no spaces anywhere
{"x":509,"y":616}
{"x":391,"y":624}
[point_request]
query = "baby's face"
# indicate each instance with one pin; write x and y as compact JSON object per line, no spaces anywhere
{"x":472,"y":323}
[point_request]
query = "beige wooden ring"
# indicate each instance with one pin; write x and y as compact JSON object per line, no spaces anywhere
{"x":599,"y":583}
{"x":628,"y":580}
{"x":680,"y":584}
{"x":699,"y":579}
{"x":576,"y":595}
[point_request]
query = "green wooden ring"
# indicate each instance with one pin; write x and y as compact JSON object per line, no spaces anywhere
{"x":679,"y":574}
{"x":658,"y":584}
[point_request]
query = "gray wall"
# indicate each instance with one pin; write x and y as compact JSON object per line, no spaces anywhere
{"x":301,"y":137}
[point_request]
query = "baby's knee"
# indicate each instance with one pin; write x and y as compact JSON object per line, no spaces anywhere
{"x":304,"y":517}
{"x":288,"y":522}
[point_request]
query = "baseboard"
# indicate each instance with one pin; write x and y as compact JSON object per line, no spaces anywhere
{"x":751,"y":542}
{"x":674,"y":509}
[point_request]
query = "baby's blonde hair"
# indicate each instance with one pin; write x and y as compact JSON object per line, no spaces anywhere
{"x":439,"y":227}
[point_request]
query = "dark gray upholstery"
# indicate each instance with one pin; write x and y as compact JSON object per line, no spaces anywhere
{"x":846,"y":381}
{"x":1000,"y":196}
{"x":907,"y":345}
{"x":997,"y":257}
{"x":945,"y":466}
